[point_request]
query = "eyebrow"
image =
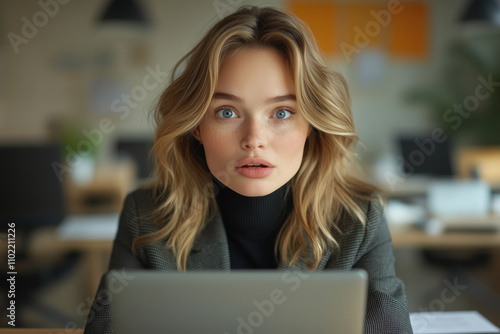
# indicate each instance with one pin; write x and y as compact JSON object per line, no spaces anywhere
{"x":276,"y":99}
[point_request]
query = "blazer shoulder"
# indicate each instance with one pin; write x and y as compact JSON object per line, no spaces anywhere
{"x":372,"y":209}
{"x":356,"y":234}
{"x":375,"y":230}
{"x":137,"y":212}
{"x":141,"y":197}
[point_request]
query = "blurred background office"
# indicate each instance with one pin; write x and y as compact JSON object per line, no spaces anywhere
{"x":79,"y":80}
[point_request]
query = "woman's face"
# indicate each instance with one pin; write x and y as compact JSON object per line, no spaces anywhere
{"x":253,"y":133}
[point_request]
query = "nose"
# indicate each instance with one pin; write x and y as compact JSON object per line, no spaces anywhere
{"x":254,"y":135}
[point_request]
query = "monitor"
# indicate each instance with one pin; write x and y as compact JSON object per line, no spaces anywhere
{"x":138,"y":150}
{"x":423,"y":156}
{"x":31,"y":194}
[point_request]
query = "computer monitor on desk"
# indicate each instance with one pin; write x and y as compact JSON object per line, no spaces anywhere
{"x":138,"y":150}
{"x":31,"y":195}
{"x":423,"y":156}
{"x":419,"y":161}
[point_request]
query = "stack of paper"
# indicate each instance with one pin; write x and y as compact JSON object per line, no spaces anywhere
{"x":462,"y":322}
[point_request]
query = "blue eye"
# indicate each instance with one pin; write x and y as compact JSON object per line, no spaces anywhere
{"x":226,"y":113}
{"x":282,"y":114}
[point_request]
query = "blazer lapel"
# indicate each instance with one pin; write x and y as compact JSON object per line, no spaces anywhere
{"x":210,"y":250}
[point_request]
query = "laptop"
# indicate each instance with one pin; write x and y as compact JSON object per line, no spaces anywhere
{"x":239,"y":302}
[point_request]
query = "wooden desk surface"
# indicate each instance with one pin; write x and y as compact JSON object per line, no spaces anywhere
{"x":40,"y":331}
{"x":417,"y":187}
{"x":416,"y":237}
{"x":97,"y":252}
{"x":47,"y":240}
{"x":410,"y":236}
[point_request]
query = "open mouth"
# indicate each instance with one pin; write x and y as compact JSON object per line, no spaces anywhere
{"x":254,"y":166}
{"x":255,"y":171}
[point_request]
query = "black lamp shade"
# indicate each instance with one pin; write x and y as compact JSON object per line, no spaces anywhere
{"x":125,"y":11}
{"x":482,"y":10}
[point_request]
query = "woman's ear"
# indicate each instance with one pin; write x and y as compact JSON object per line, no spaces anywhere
{"x":196,"y":134}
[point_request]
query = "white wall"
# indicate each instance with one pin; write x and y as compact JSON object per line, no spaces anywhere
{"x":380,"y":113}
{"x":34,"y":88}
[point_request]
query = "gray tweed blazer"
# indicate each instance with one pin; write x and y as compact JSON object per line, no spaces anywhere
{"x":361,"y":246}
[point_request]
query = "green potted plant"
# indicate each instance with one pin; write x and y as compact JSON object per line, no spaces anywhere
{"x":78,"y":152}
{"x":465,"y":101}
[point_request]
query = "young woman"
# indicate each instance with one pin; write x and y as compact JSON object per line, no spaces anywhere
{"x":253,"y":157}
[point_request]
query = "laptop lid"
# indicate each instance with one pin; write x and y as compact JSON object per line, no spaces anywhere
{"x":239,"y":302}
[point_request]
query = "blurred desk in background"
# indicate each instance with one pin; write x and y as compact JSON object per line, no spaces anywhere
{"x":106,"y":190}
{"x":94,"y":241}
{"x":97,"y":250}
{"x":417,"y":187}
{"x":484,"y":161}
{"x":413,"y":236}
{"x":456,"y":243}
{"x":91,"y":225}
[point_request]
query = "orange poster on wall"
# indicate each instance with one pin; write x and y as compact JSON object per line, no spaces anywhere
{"x":410,"y":31}
{"x":399,"y":28}
{"x":320,"y":16}
{"x":361,"y":27}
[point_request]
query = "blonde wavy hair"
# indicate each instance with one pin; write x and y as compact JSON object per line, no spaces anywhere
{"x":324,"y":189}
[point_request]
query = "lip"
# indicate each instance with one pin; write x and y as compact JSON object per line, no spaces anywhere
{"x":253,"y":161}
{"x":255,"y":172}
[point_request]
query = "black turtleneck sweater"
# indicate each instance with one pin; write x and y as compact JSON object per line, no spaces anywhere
{"x":252,"y":225}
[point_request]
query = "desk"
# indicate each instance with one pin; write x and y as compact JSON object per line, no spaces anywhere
{"x":417,"y":187}
{"x":105,"y":192}
{"x":412,"y":236}
{"x":96,"y":253}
